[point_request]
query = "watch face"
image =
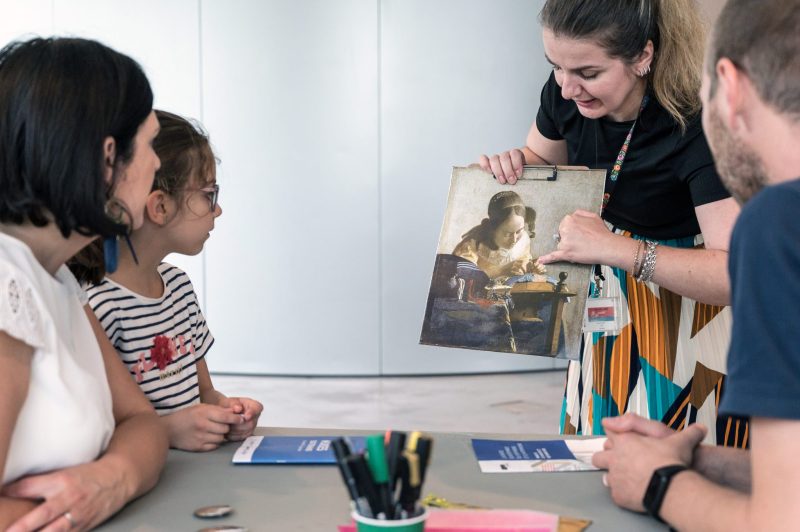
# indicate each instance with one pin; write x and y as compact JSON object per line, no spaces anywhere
{"x":653,"y":489}
{"x":657,"y":489}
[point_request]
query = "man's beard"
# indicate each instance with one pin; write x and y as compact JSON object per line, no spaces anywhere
{"x":740,"y":168}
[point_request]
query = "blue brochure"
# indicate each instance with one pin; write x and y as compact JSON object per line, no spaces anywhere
{"x":291,"y":449}
{"x":518,"y":456}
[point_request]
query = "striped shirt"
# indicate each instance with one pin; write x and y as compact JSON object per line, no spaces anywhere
{"x":159,"y":340}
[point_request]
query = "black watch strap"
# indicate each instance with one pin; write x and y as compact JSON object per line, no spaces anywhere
{"x":657,"y":489}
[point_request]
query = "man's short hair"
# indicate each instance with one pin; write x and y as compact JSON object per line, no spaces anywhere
{"x":762,"y":37}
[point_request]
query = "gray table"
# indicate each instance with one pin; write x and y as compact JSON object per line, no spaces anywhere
{"x":313,"y":498}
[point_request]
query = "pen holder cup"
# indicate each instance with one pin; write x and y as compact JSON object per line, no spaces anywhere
{"x":412,"y":524}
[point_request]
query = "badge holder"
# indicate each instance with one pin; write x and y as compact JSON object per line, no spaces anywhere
{"x":602,"y":314}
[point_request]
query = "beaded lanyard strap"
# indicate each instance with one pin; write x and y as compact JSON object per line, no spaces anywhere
{"x":612,"y":182}
{"x":621,"y":156}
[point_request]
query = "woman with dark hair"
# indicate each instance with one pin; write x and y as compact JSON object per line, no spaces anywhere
{"x":624,"y":95}
{"x":77,"y":438}
{"x":500,"y":245}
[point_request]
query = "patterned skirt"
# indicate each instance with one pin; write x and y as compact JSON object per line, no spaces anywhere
{"x":667,"y":362}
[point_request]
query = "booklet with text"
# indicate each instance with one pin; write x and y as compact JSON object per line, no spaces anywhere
{"x":291,"y":449}
{"x":548,"y":456}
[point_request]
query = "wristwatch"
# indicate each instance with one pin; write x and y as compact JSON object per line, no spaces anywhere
{"x":657,"y":489}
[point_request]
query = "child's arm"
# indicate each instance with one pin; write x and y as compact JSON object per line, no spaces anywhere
{"x":205,"y":426}
{"x":208,"y":394}
{"x":248,"y":409}
{"x":251,"y":410}
{"x":200,"y":427}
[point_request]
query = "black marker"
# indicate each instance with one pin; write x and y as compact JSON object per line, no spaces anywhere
{"x":394,"y":452}
{"x":366,"y":486}
{"x":342,"y":451}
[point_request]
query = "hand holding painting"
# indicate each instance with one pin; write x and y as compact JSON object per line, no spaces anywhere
{"x":506,"y":167}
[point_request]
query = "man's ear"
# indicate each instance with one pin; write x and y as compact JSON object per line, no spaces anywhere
{"x":731,"y":94}
{"x":160,"y":207}
{"x":109,"y":156}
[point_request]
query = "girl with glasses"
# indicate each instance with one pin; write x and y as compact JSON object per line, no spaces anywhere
{"x":149,"y":308}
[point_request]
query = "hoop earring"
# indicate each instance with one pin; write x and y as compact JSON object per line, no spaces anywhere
{"x":116,"y":210}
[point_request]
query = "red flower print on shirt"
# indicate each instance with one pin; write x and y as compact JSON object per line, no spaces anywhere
{"x":162,"y":351}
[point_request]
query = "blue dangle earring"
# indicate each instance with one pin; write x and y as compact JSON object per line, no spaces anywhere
{"x":110,"y":253}
{"x":116,"y":211}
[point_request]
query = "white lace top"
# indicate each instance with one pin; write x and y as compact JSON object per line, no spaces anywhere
{"x":66,"y":418}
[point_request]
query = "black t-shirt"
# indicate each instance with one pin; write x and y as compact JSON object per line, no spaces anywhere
{"x":764,"y":261}
{"x":665,"y":173}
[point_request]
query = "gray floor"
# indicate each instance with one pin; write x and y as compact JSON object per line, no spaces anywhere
{"x":505,"y":403}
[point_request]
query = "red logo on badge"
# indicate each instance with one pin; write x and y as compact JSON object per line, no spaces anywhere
{"x":601,"y":313}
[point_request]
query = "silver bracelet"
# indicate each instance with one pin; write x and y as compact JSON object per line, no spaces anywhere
{"x":637,"y":260}
{"x":648,"y":262}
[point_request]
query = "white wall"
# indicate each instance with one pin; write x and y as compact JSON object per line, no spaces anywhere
{"x":337,"y":124}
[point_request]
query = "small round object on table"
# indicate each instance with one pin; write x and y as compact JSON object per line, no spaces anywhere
{"x":210,"y":512}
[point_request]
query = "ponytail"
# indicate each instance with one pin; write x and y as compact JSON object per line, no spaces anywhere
{"x":678,"y":64}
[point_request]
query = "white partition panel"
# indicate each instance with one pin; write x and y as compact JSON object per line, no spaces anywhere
{"x":336,"y":124}
{"x":458,"y":78}
{"x":23,"y":20}
{"x":290,"y":98}
{"x":164,"y":37}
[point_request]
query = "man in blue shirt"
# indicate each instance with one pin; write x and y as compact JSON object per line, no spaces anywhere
{"x":751,"y":114}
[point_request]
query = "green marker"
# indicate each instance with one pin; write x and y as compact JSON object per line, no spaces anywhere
{"x":376,"y":458}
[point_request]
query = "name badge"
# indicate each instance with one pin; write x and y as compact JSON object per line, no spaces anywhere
{"x":602,"y":314}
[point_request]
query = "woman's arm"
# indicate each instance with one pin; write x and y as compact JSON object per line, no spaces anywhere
{"x":15,"y":359}
{"x":139,"y":444}
{"x":467,"y":249}
{"x":538,"y":149}
{"x":701,"y":274}
{"x":129,"y":467}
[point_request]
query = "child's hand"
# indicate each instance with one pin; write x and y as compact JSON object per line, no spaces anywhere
{"x":200,"y":427}
{"x":249,"y":410}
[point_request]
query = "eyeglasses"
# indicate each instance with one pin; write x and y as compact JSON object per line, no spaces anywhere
{"x":212,"y":193}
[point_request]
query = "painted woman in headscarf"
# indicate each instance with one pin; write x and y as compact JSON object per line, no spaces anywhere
{"x":500,"y":245}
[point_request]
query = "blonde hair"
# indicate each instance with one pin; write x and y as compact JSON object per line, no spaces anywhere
{"x":623,"y":28}
{"x":678,"y":65}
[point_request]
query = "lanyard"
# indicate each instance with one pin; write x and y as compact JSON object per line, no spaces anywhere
{"x":611,"y":183}
{"x":612,"y":178}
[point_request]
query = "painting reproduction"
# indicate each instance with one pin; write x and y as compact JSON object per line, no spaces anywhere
{"x":488,"y":291}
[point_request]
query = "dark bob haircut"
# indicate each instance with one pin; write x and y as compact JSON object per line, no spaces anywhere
{"x":60,"y":98}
